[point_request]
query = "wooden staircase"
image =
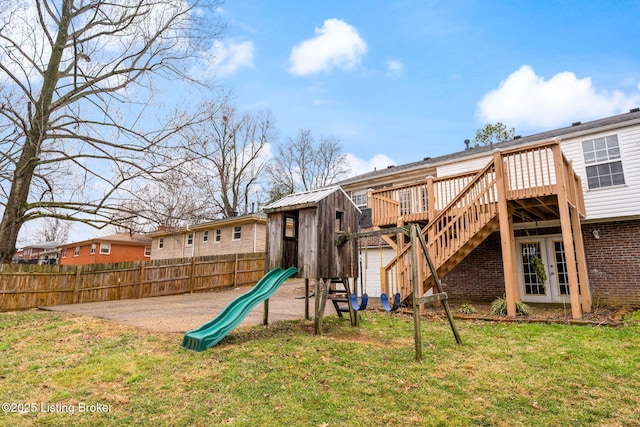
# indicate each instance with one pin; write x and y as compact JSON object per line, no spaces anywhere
{"x":459,"y":228}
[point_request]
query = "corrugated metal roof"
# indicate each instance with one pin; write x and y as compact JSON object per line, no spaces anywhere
{"x":304,"y":198}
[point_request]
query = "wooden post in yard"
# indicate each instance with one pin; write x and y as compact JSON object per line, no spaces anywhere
{"x":306,"y":300}
{"x":417,"y":330}
{"x":265,"y":313}
{"x":317,"y":316}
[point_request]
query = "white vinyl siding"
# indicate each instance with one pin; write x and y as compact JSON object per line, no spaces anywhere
{"x":610,"y":202}
{"x":464,"y":166}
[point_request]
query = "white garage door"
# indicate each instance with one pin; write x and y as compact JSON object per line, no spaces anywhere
{"x":370,"y":276}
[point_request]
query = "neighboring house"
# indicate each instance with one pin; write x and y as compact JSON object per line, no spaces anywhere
{"x":31,"y":254}
{"x":120,"y":247}
{"x":604,"y":153}
{"x":238,"y":234}
{"x":49,"y":256}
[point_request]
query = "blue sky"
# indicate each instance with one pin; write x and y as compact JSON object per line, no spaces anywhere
{"x":396,"y":81}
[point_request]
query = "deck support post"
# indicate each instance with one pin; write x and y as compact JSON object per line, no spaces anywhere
{"x":567,"y":235}
{"x":581,"y":258}
{"x":507,"y":239}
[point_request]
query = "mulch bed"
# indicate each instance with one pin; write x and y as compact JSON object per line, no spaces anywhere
{"x":599,"y":316}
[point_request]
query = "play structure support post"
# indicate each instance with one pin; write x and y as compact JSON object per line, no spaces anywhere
{"x":265,"y":313}
{"x":438,"y":284}
{"x":321,"y":301}
{"x":306,"y":300}
{"x":417,"y":330}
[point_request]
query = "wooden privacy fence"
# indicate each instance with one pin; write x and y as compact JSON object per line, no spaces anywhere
{"x":28,"y":286}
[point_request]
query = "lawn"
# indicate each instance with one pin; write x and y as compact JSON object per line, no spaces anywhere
{"x":504,"y":375}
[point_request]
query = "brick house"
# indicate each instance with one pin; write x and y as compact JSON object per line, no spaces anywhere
{"x":40,"y":253}
{"x":238,"y":234}
{"x":603,"y":223}
{"x":120,"y":247}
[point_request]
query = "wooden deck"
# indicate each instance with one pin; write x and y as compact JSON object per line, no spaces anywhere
{"x":529,"y":174}
{"x":458,"y":212}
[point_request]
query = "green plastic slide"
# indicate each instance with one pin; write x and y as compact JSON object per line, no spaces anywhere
{"x":211,"y":333}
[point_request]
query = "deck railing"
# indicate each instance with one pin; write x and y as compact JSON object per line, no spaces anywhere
{"x":529,"y":172}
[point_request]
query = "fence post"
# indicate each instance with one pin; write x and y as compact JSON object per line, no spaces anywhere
{"x":141,"y":282}
{"x":235,"y":272}
{"x":76,"y":284}
{"x":192,"y":275}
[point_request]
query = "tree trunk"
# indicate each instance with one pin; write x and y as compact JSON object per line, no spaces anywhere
{"x":16,"y":208}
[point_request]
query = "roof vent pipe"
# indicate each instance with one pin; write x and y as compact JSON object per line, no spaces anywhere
{"x":467,"y":142}
{"x":634,"y":110}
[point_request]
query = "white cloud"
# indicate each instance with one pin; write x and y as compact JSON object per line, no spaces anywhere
{"x":225,"y":58}
{"x":360,"y":166}
{"x":527,"y":100}
{"x":335,"y":45}
{"x":395,"y":68}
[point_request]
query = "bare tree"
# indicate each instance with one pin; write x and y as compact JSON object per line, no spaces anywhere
{"x":53,"y":230}
{"x":303,"y":164}
{"x":173,"y":199}
{"x":77,"y":80}
{"x":229,"y":152}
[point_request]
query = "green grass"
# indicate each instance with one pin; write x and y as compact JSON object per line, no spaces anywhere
{"x":503,"y":375}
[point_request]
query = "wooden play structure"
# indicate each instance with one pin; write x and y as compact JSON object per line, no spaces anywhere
{"x":301,"y":232}
{"x":317,"y":232}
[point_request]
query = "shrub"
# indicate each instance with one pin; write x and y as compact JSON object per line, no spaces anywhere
{"x":467,"y":309}
{"x":499,"y":308}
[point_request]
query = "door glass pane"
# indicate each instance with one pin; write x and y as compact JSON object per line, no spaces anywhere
{"x":561,"y":268}
{"x":532,"y":286}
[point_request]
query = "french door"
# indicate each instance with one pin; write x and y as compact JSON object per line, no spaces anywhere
{"x":540,"y":254}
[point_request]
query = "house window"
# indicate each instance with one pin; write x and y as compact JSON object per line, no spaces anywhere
{"x":218,"y":235}
{"x":205,"y":236}
{"x":188,"y":241}
{"x":105,"y":248}
{"x":603,"y":162}
{"x":359,"y":198}
{"x":76,"y":251}
{"x":64,"y":253}
{"x":147,"y":251}
{"x":93,"y":249}
{"x":160,"y":244}
{"x":237,"y":232}
{"x":290,"y":227}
